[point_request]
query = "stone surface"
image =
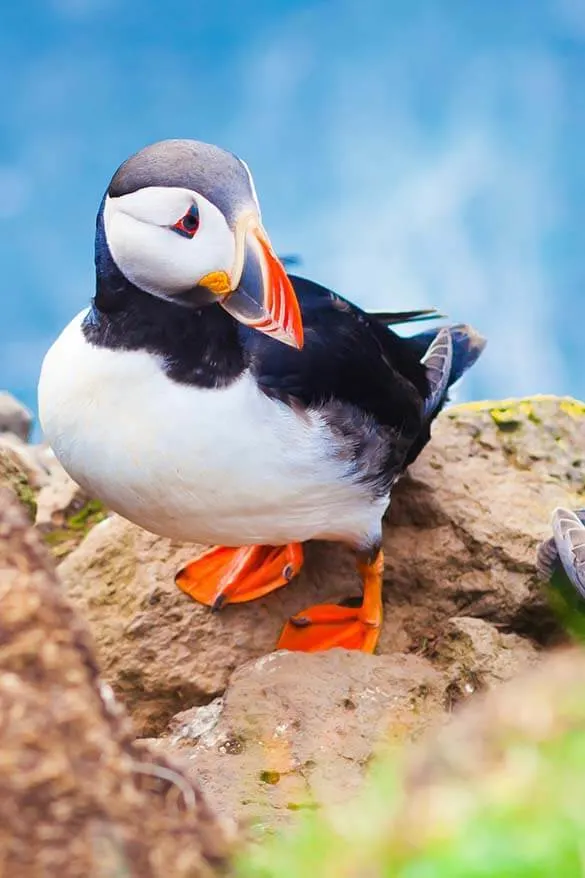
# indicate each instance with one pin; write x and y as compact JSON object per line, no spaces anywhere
{"x":460,"y":542}
{"x":77,"y":796}
{"x":466,"y":521}
{"x":13,"y":475}
{"x":477,"y":656}
{"x":15,"y":418}
{"x":26,"y":456}
{"x":296,"y":731}
{"x":62,"y":511}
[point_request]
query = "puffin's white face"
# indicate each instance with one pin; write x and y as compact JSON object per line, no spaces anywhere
{"x":173,"y":242}
{"x":167,"y":240}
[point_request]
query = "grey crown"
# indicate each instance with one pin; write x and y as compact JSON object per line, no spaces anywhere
{"x":216,"y":174}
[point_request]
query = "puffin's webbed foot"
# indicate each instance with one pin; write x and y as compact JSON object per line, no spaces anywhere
{"x":224,"y":575}
{"x":325,"y":626}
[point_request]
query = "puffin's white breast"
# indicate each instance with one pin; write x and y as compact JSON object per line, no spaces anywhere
{"x":226,"y":465}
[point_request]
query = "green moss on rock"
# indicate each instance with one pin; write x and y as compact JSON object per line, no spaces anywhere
{"x":13,"y":476}
{"x":77,"y":524}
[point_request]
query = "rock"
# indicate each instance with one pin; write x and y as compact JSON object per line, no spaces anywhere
{"x":46,"y":457}
{"x":77,"y":796}
{"x":57,"y":499}
{"x":61,"y":509}
{"x":25,"y":456}
{"x":477,"y":656}
{"x":300,"y":729}
{"x":15,"y":418}
{"x":460,"y":541}
{"x":14,"y":476}
{"x":466,"y":522}
{"x":161,"y":651}
{"x":63,"y":512}
{"x":296,"y":731}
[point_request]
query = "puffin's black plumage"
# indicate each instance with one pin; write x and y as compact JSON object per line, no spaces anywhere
{"x":348,"y":355}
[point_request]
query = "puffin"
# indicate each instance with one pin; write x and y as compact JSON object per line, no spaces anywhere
{"x":209,"y":396}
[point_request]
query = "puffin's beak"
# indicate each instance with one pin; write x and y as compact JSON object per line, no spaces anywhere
{"x":264,"y":298}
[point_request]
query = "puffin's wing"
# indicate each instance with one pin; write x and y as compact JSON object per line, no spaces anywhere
{"x":369,"y":382}
{"x":348,"y":357}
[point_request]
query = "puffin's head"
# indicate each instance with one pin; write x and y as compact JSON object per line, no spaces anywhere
{"x":182,"y":222}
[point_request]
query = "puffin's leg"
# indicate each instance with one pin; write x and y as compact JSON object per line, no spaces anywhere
{"x":325,"y":626}
{"x":224,"y":575}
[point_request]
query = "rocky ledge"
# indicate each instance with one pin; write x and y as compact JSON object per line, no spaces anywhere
{"x":78,"y":796}
{"x":268,"y":735}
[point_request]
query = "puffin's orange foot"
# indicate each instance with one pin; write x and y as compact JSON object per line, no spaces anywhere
{"x":328,"y":625}
{"x":223,"y":575}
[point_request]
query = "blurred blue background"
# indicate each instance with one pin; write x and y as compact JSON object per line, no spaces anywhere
{"x":413,"y":152}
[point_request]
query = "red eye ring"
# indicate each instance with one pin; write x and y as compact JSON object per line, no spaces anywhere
{"x":188,"y":225}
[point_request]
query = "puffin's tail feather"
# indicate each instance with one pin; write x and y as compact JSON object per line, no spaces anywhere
{"x":467,"y":344}
{"x":392,"y":318}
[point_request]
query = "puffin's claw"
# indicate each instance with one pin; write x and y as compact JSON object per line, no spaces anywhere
{"x":224,"y":575}
{"x":326,"y":626}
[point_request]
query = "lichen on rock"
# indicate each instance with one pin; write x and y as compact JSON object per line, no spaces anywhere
{"x":67,"y":528}
{"x":14,"y":476}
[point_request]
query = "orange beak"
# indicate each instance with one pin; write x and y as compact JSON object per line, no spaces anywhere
{"x":264,"y":298}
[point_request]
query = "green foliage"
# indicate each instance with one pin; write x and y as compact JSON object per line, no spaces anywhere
{"x":534,"y":828}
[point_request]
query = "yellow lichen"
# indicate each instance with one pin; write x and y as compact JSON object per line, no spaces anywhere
{"x":572,"y":407}
{"x":509,"y":411}
{"x":13,"y":476}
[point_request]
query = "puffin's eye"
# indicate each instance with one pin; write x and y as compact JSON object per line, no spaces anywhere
{"x":188,"y":224}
